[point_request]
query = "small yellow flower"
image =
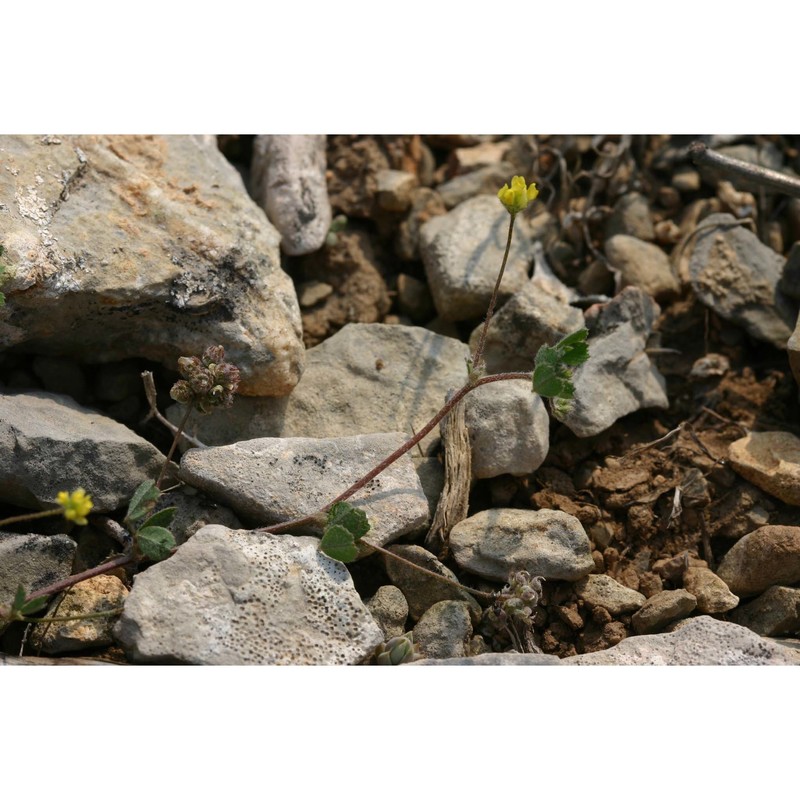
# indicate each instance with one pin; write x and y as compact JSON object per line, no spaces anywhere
{"x":516,"y":198}
{"x":76,"y":505}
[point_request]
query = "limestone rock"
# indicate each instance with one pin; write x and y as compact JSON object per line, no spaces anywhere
{"x":276,"y":480}
{"x":484,"y":180}
{"x":34,"y":561}
{"x":146,"y":247}
{"x":462,"y":252}
{"x":642,"y":264}
{"x":239,"y":597}
{"x":771,"y":461}
{"x":604,"y":591}
{"x":774,"y":613}
{"x":711,"y":592}
{"x":769,"y":556}
{"x":548,"y":544}
{"x":661,"y":609}
{"x":48,"y":444}
{"x":288,"y":178}
{"x":389,"y":609}
{"x":444,"y":630}
{"x":492,"y":660}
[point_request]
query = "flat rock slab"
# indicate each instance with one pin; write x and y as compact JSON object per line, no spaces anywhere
{"x":771,"y":461}
{"x":736,"y":275}
{"x":768,"y":556}
{"x":49,"y":443}
{"x":702,"y":641}
{"x":462,"y":252}
{"x":266,"y":481}
{"x":604,"y":591}
{"x":146,"y":247}
{"x":238,"y":597}
{"x":548,"y":544}
{"x":34,"y":561}
{"x":618,"y":378}
{"x":366,"y":378}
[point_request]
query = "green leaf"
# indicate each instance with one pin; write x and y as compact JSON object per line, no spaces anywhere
{"x":154,"y":542}
{"x":19,"y":599}
{"x":351,"y":519}
{"x":553,"y":367}
{"x":574,"y":348}
{"x":161,"y":518}
{"x":339,"y":543}
{"x":33,"y":606}
{"x":143,"y":499}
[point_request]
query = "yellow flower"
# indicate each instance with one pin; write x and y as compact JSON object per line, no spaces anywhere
{"x":518,"y":196}
{"x":76,"y":505}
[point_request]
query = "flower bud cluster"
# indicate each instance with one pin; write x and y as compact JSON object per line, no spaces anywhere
{"x":208,"y":382}
{"x":512,"y":609}
{"x":397,"y":650}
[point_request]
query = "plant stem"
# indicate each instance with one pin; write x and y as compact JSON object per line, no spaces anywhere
{"x":100,"y":569}
{"x":51,"y":512}
{"x":478,"y":355}
{"x":404,"y":448}
{"x":94,"y":615}
{"x":150,"y":394}
{"x":176,"y":438}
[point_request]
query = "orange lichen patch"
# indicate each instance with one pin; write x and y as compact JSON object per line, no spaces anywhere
{"x":191,"y":193}
{"x":134,"y":193}
{"x":146,"y":152}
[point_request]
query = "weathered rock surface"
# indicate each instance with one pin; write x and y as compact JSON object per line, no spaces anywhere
{"x":194,"y":510}
{"x":142,"y":246}
{"x":509,"y":429}
{"x":618,"y":378}
{"x":642,"y":264}
{"x":275,"y":480}
{"x":491,"y":660}
{"x":663,"y":608}
{"x":34,"y":561}
{"x":394,"y":189}
{"x":462,"y":252}
{"x":631,"y":217}
{"x":699,"y":641}
{"x":368,"y":378}
{"x":771,"y":461}
{"x":604,"y":591}
{"x":735,"y":274}
{"x":444,"y":630}
{"x":48,"y":444}
{"x":238,"y":597}
{"x":548,"y":544}
{"x":92,"y":596}
{"x":769,"y":556}
{"x":711,"y":592}
{"x":774,"y":613}
{"x":389,"y":609}
{"x":288,"y":182}
{"x":484,"y":180}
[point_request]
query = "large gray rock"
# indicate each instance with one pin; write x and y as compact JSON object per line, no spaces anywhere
{"x":142,"y":246}
{"x":771,"y":461}
{"x":462,"y":252}
{"x":618,"y":370}
{"x":546,"y":543}
{"x":702,"y":641}
{"x":288,"y":180}
{"x":736,"y":275}
{"x":366,"y":378}
{"x":48,"y":444}
{"x":509,"y":429}
{"x":239,"y":597}
{"x":774,"y":613}
{"x":34,"y":561}
{"x":275,"y":480}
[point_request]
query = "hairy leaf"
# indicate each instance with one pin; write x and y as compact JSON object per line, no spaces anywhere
{"x":161,"y":518}
{"x":34,"y":606}
{"x":553,"y":368}
{"x":143,"y":499}
{"x":338,"y":542}
{"x":351,"y":519}
{"x":156,"y":543}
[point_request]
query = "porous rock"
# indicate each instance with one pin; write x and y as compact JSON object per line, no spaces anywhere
{"x":240,"y":597}
{"x":663,"y":608}
{"x":619,"y":377}
{"x":444,"y":630}
{"x":774,"y":613}
{"x":288,"y":182}
{"x":604,"y":591}
{"x":34,"y":561}
{"x":771,"y":461}
{"x":509,"y":429}
{"x":769,"y":556}
{"x":462,"y":252}
{"x":142,"y":246}
{"x":548,"y":544}
{"x":275,"y":480}
{"x":389,"y":609}
{"x":49,"y":443}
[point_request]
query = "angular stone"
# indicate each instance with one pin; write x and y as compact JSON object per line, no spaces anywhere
{"x":509,"y":429}
{"x":145,"y":247}
{"x":239,"y":597}
{"x":394,"y":189}
{"x":701,"y":641}
{"x":769,"y":556}
{"x":771,"y":461}
{"x":548,"y":544}
{"x":288,"y":180}
{"x":661,"y":609}
{"x":444,"y":630}
{"x":276,"y":480}
{"x":631,"y":217}
{"x":736,"y":275}
{"x":711,"y":592}
{"x":642,"y":264}
{"x":618,"y":369}
{"x":389,"y":609}
{"x":774,"y":613}
{"x":367,"y":378}
{"x":484,"y":180}
{"x":48,"y":444}
{"x":34,"y":561}
{"x":92,"y":596}
{"x":462,"y":252}
{"x":421,"y":590}
{"x":604,"y":591}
